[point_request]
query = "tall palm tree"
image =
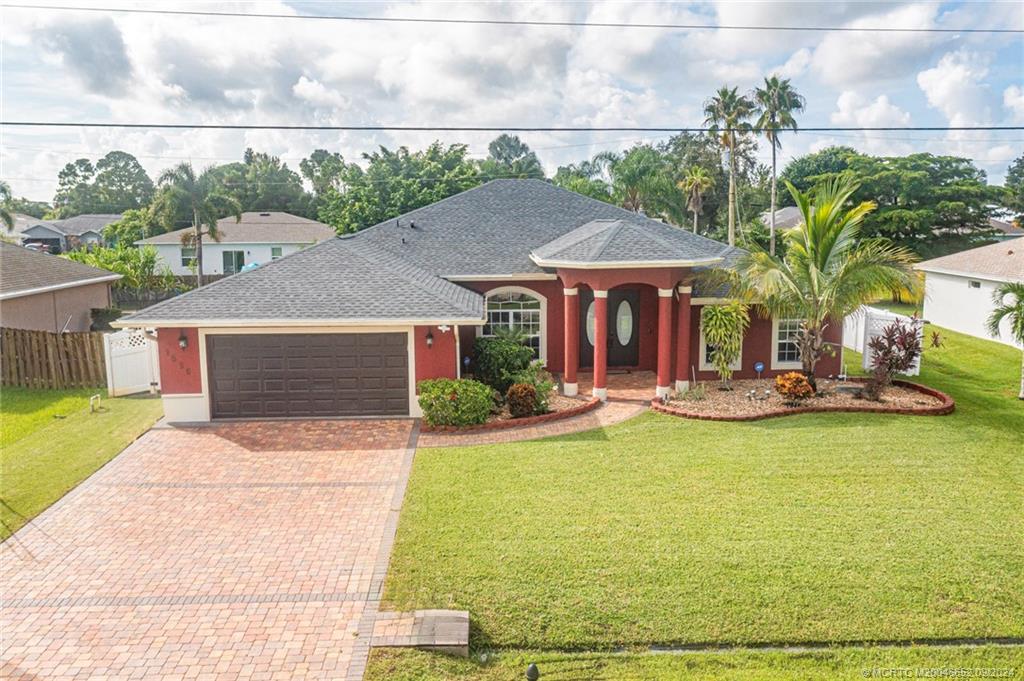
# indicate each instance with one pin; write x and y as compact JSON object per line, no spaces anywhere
{"x":1008,"y":304}
{"x":694,"y":184}
{"x":201,"y":199}
{"x":776,"y":103}
{"x":6,"y":217}
{"x":727,"y":114}
{"x":828,"y":271}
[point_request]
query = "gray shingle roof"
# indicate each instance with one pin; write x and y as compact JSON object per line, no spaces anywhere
{"x":23,"y":271}
{"x":337,"y":280}
{"x":268,"y":227}
{"x":785,"y":217}
{"x":601,"y":242}
{"x":91,"y":222}
{"x":1003,"y":261}
{"x":493,"y":228}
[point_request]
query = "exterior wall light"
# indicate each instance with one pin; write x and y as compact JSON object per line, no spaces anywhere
{"x":182,"y":341}
{"x":430,"y":339}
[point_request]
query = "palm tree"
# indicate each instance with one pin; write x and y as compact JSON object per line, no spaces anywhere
{"x":639,"y":180}
{"x":776,"y":103}
{"x":727,"y":114}
{"x":828,"y":271}
{"x":1008,"y":304}
{"x":201,"y":198}
{"x":6,"y":217}
{"x":694,"y":184}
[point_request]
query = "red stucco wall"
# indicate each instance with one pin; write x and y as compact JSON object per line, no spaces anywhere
{"x":757,"y":347}
{"x":438,"y":361}
{"x":550,"y":289}
{"x":179,"y":369}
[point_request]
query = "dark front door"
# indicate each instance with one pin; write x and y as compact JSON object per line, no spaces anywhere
{"x":308,"y":375}
{"x":623,"y":327}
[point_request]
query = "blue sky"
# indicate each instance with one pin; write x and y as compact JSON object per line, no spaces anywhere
{"x":68,"y":66}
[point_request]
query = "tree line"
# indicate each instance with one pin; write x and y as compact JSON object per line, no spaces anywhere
{"x":710,"y":183}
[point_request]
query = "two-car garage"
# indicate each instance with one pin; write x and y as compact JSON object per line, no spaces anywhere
{"x":308,"y":375}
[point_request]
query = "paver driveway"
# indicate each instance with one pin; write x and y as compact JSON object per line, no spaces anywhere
{"x":246,"y":550}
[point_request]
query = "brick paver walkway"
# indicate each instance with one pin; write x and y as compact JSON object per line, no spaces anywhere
{"x":211,"y":553}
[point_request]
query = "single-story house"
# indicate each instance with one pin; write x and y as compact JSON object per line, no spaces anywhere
{"x":349,"y":326}
{"x":49,"y":293}
{"x":259,"y":237}
{"x":958,"y":287}
{"x":1005,"y":230}
{"x":63,"y":235}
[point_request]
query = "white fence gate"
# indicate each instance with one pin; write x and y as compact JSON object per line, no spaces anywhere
{"x":132,"y":362}
{"x":868,"y":322}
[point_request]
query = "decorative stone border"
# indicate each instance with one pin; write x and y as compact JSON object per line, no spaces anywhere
{"x":591,"y":405}
{"x":946,"y":407}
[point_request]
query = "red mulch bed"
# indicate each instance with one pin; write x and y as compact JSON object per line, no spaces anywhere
{"x":561,"y":407}
{"x":903,"y":397}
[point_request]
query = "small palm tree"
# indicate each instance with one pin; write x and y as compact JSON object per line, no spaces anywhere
{"x":6,"y":217}
{"x":694,"y":184}
{"x":639,"y":180}
{"x":200,"y":197}
{"x":726,"y":114}
{"x":776,"y":103}
{"x":1008,"y":305}
{"x":828,"y":271}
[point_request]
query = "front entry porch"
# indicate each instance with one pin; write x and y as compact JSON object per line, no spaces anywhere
{"x":623,"y":385}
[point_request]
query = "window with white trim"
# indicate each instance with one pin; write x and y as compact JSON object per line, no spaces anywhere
{"x":276,"y":252}
{"x":516,"y":309}
{"x":971,"y":283}
{"x":188,"y":256}
{"x":705,"y":355}
{"x":785,"y":351}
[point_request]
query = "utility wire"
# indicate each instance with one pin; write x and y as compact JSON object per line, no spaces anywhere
{"x":473,"y":128}
{"x":519,"y":22}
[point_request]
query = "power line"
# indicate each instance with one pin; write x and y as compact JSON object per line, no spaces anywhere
{"x":474,"y":128}
{"x":520,"y":22}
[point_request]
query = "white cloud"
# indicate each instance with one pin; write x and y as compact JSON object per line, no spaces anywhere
{"x":855,"y":110}
{"x":956,"y":87}
{"x":1013,"y":100}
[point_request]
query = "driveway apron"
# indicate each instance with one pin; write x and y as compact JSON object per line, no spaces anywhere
{"x":249,"y":550}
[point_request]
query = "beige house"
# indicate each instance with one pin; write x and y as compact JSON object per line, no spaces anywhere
{"x":49,"y":293}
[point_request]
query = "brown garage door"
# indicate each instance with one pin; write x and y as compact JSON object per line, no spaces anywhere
{"x":329,"y":374}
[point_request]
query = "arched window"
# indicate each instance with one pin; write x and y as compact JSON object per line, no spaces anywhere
{"x":512,"y":307}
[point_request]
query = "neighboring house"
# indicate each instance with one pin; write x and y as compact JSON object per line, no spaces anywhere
{"x":958,"y":287}
{"x":257,"y":238}
{"x":348,"y":327}
{"x":785,"y":217}
{"x":63,"y":235}
{"x":1006,"y":230}
{"x":49,"y":293}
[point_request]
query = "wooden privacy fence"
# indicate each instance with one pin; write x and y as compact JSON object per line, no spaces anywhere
{"x":40,"y":359}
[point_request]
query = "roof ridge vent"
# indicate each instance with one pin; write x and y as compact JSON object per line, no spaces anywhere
{"x":264,"y":215}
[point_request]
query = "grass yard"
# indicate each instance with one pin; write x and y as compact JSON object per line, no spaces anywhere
{"x":839,"y":663}
{"x":51,"y":442}
{"x":834,"y":528}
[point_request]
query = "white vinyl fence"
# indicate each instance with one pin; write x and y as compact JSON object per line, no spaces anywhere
{"x":132,"y":362}
{"x":865,"y":324}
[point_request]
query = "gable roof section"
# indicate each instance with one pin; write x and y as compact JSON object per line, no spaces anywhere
{"x":24,"y":272}
{"x":268,"y":227}
{"x":90,"y":222}
{"x":621,"y":243}
{"x":785,"y":217}
{"x":334,"y":282}
{"x":1003,"y":261}
{"x":492,"y":229}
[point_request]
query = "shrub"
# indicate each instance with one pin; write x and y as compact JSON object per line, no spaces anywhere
{"x":543,"y":383}
{"x":723,"y":327}
{"x":893,"y":351}
{"x":697,"y":393}
{"x":521,"y":400}
{"x":496,"y":361}
{"x":447,"y":402}
{"x":794,"y":387}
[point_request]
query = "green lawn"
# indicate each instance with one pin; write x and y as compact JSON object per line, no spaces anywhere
{"x":51,"y":442}
{"x":839,"y":663}
{"x":840,"y":527}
